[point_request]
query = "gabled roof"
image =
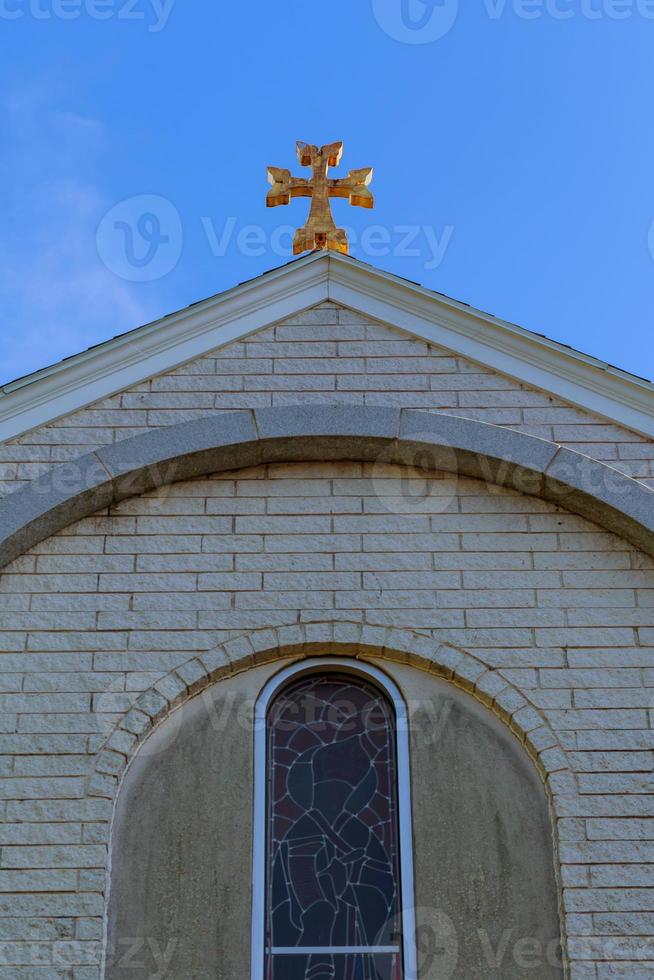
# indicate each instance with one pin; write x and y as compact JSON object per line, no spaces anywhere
{"x":131,"y":358}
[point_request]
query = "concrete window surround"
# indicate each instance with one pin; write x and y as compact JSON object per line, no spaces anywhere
{"x":246,"y":438}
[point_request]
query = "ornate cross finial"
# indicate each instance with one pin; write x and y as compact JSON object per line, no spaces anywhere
{"x":320,"y":231}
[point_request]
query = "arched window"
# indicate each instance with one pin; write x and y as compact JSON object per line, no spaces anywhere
{"x":333,"y":888}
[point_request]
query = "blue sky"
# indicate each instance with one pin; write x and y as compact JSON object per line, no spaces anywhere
{"x":512,"y":142}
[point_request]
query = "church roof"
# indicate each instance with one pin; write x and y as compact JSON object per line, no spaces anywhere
{"x":165,"y":344}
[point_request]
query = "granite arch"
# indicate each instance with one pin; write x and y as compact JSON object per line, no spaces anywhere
{"x":235,"y":440}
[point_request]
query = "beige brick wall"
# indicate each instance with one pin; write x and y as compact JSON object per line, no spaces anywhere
{"x":327,"y":356}
{"x":96,"y":615}
{"x":557,"y":609}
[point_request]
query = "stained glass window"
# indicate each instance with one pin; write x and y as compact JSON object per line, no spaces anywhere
{"x":333,"y":877}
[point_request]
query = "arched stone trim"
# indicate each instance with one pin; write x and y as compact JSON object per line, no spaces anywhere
{"x":325,"y":639}
{"x":230,"y":441}
{"x":337,"y":638}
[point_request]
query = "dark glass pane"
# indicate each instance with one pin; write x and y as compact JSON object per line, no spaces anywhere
{"x":348,"y":966}
{"x":333,"y":843}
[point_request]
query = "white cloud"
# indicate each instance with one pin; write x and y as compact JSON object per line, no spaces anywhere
{"x":56,"y":296}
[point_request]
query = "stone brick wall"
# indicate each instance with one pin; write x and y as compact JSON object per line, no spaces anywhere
{"x":544,"y":601}
{"x":326,"y":356}
{"x":551,"y":618}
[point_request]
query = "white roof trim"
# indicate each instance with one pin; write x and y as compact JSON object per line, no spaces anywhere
{"x":530,"y":358}
{"x":162,"y":346}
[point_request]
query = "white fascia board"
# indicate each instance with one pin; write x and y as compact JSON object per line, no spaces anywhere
{"x":577,"y":378}
{"x":161,"y":346}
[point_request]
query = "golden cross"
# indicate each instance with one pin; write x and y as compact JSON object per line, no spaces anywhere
{"x":320,"y":231}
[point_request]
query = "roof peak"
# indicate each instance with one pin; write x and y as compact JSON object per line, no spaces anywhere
{"x":307,"y":281}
